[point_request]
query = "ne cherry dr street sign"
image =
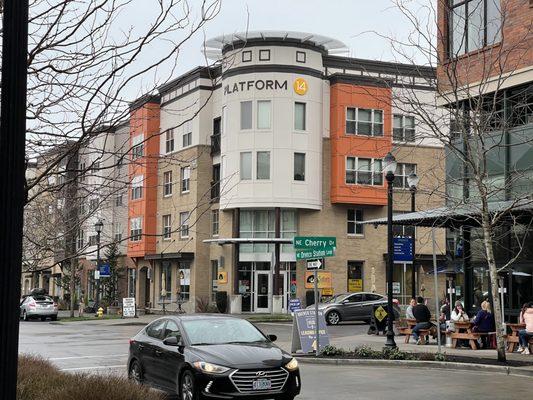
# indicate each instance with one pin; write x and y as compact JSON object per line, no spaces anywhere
{"x":308,"y":247}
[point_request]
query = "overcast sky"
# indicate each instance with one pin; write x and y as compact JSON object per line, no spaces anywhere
{"x":346,"y":20}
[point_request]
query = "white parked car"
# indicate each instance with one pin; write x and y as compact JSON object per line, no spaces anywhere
{"x":38,"y":306}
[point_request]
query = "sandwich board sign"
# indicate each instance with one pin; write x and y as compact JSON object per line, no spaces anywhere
{"x":304,"y":331}
{"x":128,"y":307}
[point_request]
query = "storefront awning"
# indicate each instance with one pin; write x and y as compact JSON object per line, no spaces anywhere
{"x":461,"y":215}
{"x":223,"y":241}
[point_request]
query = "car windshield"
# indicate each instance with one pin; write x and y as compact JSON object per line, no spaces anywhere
{"x":222,"y":331}
{"x":338,"y":298}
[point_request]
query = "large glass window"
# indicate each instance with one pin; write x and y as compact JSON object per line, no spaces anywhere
{"x":165,"y":288}
{"x":403,"y":128}
{"x":246,"y":166}
{"x":288,"y":229}
{"x":363,"y":171}
{"x":299,"y":116}
{"x":184,"y":279}
{"x":246,"y":114}
{"x":214,"y":280}
{"x":472,"y":25}
{"x":263,"y":165}
{"x":361,"y":121}
{"x":402,"y":172}
{"x":264,"y":114}
{"x":353,"y":217}
{"x":299,"y":166}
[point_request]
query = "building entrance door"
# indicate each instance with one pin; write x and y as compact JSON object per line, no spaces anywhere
{"x":262,"y":291}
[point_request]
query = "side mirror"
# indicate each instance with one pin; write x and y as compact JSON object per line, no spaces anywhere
{"x":272,"y":338}
{"x":172,"y":341}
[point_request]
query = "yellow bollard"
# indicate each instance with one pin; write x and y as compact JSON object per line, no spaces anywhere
{"x":100,"y":312}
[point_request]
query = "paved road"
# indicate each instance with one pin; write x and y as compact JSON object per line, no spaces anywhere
{"x":102,"y":348}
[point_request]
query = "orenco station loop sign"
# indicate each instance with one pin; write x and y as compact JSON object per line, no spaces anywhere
{"x":300,"y":86}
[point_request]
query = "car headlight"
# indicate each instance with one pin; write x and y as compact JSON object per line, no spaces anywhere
{"x":292,"y":365}
{"x":209,"y":368}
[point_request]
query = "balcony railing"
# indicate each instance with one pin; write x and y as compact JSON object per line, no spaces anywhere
{"x":215,"y":144}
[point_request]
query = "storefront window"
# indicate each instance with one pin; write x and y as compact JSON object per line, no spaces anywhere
{"x":245,"y":285}
{"x":402,"y":282}
{"x":214,"y":279}
{"x":355,"y":276}
{"x":165,"y":285}
{"x":288,"y":229}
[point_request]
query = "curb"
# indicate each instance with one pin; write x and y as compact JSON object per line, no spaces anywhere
{"x":419,"y":364}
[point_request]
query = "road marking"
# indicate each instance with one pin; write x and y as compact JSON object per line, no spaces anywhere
{"x":80,"y":357}
{"x":92,"y":368}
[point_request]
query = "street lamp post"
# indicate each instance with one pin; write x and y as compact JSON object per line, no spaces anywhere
{"x":412,"y":181}
{"x":98,"y":228}
{"x":389,"y":168}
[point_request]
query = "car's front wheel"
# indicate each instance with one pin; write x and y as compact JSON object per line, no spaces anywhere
{"x":333,"y":318}
{"x":188,"y":390}
{"x":135,"y":372}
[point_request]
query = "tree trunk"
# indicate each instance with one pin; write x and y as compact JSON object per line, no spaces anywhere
{"x":493,"y":273}
{"x":72,"y":285}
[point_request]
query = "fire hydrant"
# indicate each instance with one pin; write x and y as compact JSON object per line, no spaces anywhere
{"x":100,"y":312}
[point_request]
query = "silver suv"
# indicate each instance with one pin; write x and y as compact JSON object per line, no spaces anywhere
{"x":38,"y":306}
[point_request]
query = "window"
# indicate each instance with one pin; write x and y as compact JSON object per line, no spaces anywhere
{"x":264,"y":55}
{"x":172,"y":330}
{"x":95,"y":167}
{"x":93,"y":240}
{"x":118,"y":232}
{"x":81,"y":172}
{"x":184,"y":274}
{"x":217,"y":125}
{"x":264,"y":114}
{"x":136,"y":229}
{"x":118,"y":200}
{"x":214,"y":222}
{"x":360,"y":121}
{"x":214,"y":279}
{"x":137,"y":147}
{"x":185,"y":179}
{"x":263,"y":165}
{"x":165,"y":291}
{"x":363,"y":171}
{"x":246,"y":56}
{"x":472,"y":25}
{"x":184,"y":224}
{"x":137,"y":187}
{"x":155,"y":329}
{"x":246,"y":115}
{"x":299,"y":116}
{"x":169,"y":141}
{"x":187,"y":139}
{"x":224,"y":120}
{"x":167,"y":227}
{"x":80,"y":241}
{"x":355,"y":276}
{"x":167,"y":183}
{"x":301,"y":56}
{"x":299,"y":166}
{"x":402,"y":172}
{"x":246,"y":166}
{"x":93,"y":204}
{"x":403,"y":128}
{"x":353,"y":217}
{"x":355,"y":298}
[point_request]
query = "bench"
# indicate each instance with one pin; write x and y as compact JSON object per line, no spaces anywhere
{"x":405,"y":327}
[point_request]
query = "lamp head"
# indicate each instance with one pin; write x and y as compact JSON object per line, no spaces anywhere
{"x":99,"y":226}
{"x":412,"y":181}
{"x":389,"y":164}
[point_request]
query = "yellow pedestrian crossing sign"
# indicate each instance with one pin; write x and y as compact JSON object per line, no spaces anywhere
{"x":380,"y":313}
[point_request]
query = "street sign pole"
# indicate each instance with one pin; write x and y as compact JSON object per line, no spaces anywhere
{"x":317,"y":351}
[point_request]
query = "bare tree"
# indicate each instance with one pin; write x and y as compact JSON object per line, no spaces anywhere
{"x":483,"y":125}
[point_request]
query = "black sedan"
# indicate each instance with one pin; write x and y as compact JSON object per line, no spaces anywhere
{"x":220,"y":357}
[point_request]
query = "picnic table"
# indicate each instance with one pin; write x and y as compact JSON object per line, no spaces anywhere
{"x":512,"y":339}
{"x":406,"y":326}
{"x":463,"y":330}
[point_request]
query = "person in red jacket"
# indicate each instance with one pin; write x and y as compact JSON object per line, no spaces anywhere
{"x":526,"y":317}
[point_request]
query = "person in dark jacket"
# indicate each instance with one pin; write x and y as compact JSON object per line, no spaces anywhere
{"x":484,"y":322}
{"x":423,"y":318}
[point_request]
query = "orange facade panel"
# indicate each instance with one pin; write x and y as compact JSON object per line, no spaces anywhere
{"x":345,"y":96}
{"x":144,"y":121}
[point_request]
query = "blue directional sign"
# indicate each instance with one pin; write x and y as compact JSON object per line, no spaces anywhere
{"x":105,"y":270}
{"x":295,"y":304}
{"x":403,"y":249}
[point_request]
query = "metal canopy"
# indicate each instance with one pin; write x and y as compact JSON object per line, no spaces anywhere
{"x":223,"y":241}
{"x":461,"y":215}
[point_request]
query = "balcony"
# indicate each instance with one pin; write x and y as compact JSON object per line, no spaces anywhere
{"x":215,"y":144}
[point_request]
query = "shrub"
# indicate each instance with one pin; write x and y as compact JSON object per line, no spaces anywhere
{"x":40,"y":380}
{"x":366,"y":352}
{"x":397,"y":354}
{"x":331,"y":351}
{"x":440,"y":356}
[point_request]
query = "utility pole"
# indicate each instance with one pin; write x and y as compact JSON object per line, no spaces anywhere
{"x":12,"y":179}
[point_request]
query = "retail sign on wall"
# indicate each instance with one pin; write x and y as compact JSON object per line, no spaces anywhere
{"x":300,"y":86}
{"x":403,"y":249}
{"x":355,"y":285}
{"x":324,"y":280}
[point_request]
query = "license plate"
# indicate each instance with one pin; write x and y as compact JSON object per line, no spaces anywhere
{"x":262,"y":384}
